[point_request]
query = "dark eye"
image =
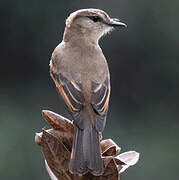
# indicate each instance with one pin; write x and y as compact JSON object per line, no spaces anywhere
{"x":94,"y":18}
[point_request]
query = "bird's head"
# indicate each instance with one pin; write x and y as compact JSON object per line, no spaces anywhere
{"x":92,"y":23}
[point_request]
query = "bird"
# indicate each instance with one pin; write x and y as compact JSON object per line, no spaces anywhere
{"x":80,"y":72}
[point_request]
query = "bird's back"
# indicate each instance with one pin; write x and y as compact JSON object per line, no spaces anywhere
{"x":81,"y":64}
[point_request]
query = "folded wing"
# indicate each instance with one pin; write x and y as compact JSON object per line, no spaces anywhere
{"x":70,"y":91}
{"x":100,"y":100}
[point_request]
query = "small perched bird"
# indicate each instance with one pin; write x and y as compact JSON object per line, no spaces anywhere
{"x":80,"y":72}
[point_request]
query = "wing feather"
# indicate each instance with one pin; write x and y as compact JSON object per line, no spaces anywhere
{"x":100,"y":96}
{"x":70,"y":92}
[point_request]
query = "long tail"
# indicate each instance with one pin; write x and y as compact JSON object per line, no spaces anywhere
{"x":86,"y":154}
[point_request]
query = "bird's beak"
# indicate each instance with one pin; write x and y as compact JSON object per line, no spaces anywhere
{"x":116,"y":22}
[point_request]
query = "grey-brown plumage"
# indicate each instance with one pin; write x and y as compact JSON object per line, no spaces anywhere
{"x":80,"y":72}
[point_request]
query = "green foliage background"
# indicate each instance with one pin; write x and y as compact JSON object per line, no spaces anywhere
{"x":143,"y":61}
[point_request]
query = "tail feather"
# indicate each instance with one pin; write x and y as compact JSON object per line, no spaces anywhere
{"x":86,"y":152}
{"x":77,"y":159}
{"x":91,"y":150}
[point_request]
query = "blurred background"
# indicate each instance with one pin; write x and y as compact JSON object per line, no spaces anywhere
{"x":143,"y":61}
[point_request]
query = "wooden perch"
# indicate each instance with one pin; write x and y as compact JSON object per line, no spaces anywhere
{"x":56,"y":144}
